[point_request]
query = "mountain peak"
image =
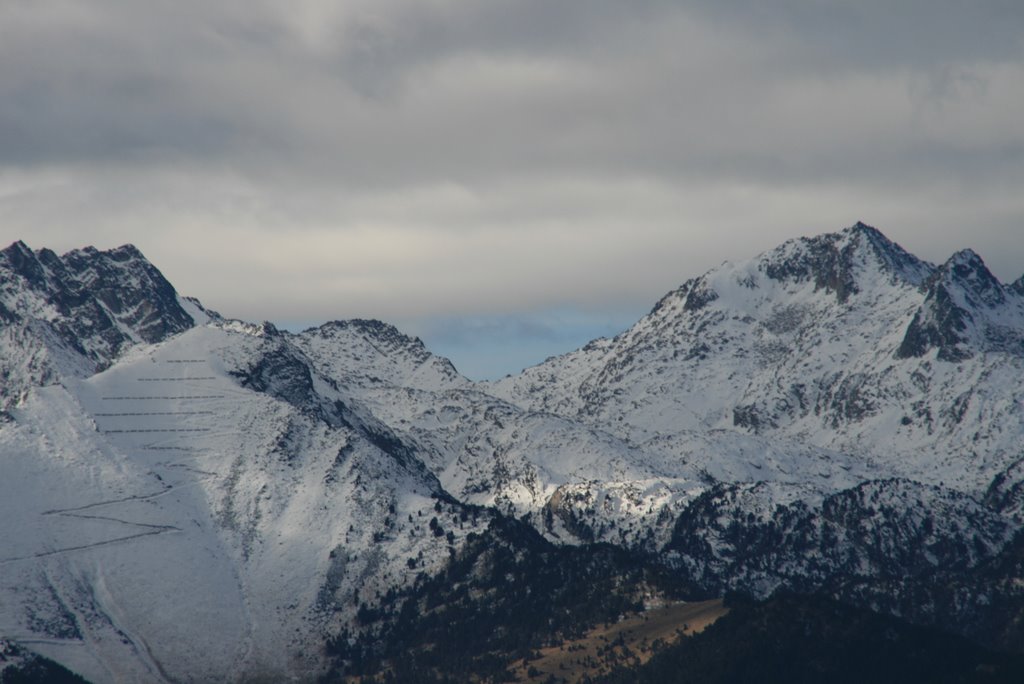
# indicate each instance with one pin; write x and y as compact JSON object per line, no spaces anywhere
{"x":961,"y":296}
{"x":368,"y":352}
{"x":843,"y":263}
{"x":97,"y":301}
{"x":379,"y":331}
{"x":965,"y":256}
{"x":21,"y":260}
{"x":861,"y":228}
{"x":890,"y":255}
{"x":385,"y":338}
{"x":126,"y":252}
{"x":967,"y":272}
{"x":835,"y":261}
{"x":16,"y":248}
{"x":121,"y":255}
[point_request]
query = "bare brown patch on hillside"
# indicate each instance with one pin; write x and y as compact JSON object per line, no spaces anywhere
{"x":630,"y":641}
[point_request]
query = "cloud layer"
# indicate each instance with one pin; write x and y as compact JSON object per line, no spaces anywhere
{"x":428,"y":160}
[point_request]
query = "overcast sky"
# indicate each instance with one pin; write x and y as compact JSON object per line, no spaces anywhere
{"x":506,"y":179}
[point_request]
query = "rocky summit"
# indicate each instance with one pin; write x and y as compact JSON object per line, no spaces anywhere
{"x":188,"y":497}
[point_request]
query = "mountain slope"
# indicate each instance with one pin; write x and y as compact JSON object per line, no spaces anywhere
{"x":216,"y":455}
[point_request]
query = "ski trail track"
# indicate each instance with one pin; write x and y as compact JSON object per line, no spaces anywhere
{"x":93,"y":545}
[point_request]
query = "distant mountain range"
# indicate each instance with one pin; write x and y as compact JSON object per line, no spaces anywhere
{"x":188,"y":497}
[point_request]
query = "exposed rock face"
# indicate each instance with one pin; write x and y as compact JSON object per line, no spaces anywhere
{"x":833,"y":261}
{"x":73,"y":315}
{"x":98,"y":302}
{"x":966,"y":311}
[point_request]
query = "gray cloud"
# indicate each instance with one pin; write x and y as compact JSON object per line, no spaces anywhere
{"x":839,"y":36}
{"x":394,"y":93}
{"x":401,"y":159}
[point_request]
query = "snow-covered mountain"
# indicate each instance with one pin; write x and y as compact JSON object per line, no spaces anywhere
{"x":187,"y":497}
{"x":843,"y":341}
{"x":207,"y":487}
